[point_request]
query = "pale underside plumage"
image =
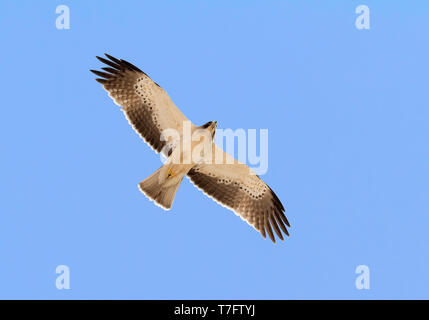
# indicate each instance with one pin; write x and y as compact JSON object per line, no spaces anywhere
{"x":149,"y":110}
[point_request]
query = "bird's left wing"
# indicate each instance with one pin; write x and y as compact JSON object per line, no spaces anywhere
{"x":146,"y":105}
{"x":236,"y":187}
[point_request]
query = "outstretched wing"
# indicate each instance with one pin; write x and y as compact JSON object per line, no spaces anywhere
{"x":146,"y":105}
{"x":235,"y":187}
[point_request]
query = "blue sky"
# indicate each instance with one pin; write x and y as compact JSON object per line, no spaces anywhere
{"x":347,"y":113}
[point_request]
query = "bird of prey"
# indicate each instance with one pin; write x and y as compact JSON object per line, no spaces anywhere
{"x":150,"y":111}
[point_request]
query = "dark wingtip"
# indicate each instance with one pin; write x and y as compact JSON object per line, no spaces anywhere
{"x":268,"y":227}
{"x":112,"y":58}
{"x":102,"y":74}
{"x":118,"y":65}
{"x":111,"y":70}
{"x":111,"y":63}
{"x":102,"y":81}
{"x":280,"y":207}
{"x":277,"y":200}
{"x":130,"y":66}
{"x":275,"y":226}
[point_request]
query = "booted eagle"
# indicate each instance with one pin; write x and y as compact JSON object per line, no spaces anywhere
{"x":151,"y":112}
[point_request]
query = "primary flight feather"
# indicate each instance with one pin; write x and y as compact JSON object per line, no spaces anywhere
{"x":151,"y":113}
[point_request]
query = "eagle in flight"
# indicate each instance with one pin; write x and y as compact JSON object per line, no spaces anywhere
{"x":150,"y":112}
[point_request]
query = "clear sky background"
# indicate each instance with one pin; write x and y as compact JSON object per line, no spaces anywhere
{"x":347,"y":112}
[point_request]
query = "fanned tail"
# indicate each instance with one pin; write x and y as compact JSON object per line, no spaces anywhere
{"x":160,"y":189}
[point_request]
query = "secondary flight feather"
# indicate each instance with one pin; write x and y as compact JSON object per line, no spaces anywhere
{"x":151,"y":113}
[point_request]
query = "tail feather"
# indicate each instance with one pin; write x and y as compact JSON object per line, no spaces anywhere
{"x":159,"y":190}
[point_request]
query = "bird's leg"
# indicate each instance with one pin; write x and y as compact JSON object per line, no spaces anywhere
{"x":170,"y":173}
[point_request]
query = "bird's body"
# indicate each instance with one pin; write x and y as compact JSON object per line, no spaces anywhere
{"x":190,"y":151}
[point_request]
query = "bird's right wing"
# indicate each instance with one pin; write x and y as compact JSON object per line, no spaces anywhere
{"x":146,"y":105}
{"x":235,"y":186}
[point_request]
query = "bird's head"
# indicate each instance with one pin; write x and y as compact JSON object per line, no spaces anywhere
{"x":211,"y":126}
